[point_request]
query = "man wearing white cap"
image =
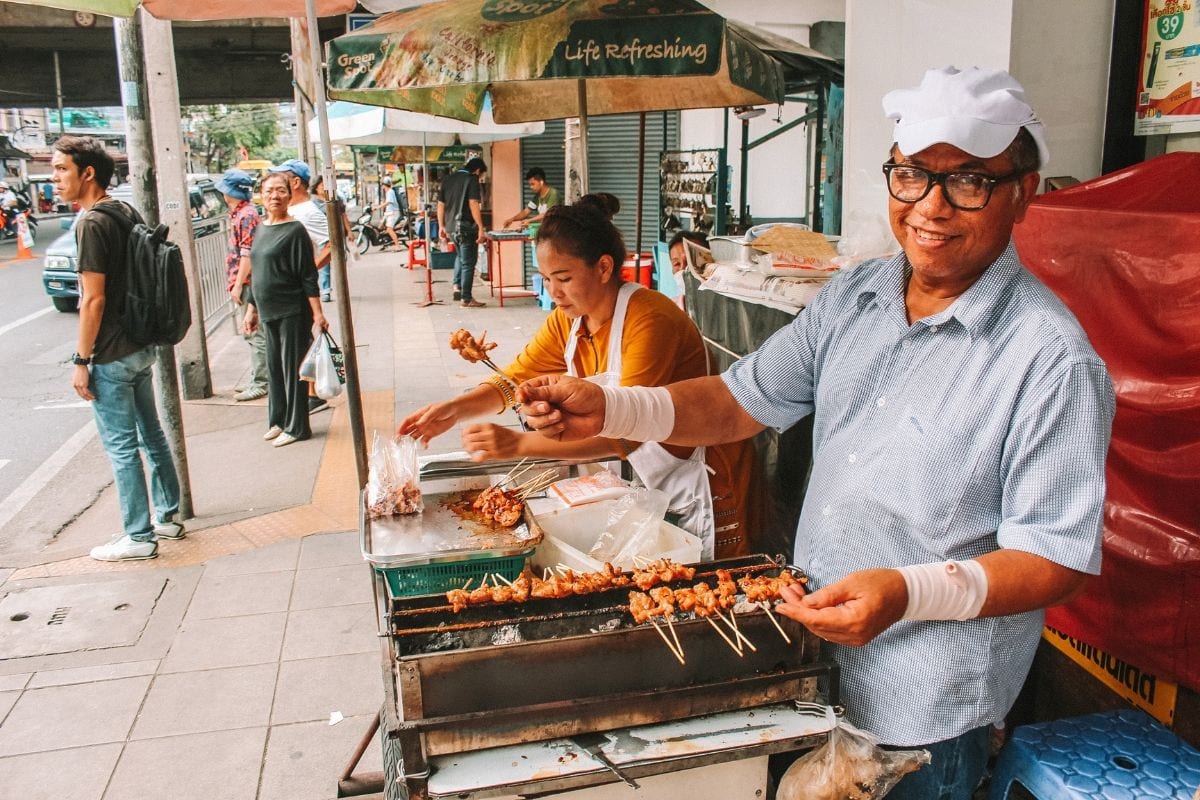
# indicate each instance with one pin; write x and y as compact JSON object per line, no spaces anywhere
{"x":961,"y":426}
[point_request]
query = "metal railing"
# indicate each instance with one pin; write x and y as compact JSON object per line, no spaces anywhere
{"x":212,"y":239}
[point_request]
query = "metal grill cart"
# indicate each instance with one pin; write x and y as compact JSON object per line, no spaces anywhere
{"x":555,"y":695}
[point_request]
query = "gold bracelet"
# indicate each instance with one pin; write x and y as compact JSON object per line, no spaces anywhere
{"x":506,"y":393}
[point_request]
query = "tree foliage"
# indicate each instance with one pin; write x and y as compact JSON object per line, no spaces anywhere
{"x":217,"y":134}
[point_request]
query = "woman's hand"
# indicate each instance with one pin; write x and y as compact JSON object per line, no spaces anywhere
{"x":430,"y":421}
{"x":320,"y":323}
{"x":488,"y":441}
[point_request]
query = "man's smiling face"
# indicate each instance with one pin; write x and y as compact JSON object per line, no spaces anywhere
{"x":946,"y":244}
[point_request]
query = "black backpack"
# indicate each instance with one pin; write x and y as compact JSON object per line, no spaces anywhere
{"x":158,"y":310}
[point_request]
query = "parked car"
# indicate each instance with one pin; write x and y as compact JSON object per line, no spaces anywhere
{"x":60,"y":272}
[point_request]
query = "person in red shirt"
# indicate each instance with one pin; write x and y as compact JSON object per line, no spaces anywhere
{"x":237,"y":185}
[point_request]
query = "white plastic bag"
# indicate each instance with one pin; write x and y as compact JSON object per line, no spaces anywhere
{"x":632,"y":528}
{"x":393,"y":478}
{"x":308,"y":367}
{"x":849,"y":766}
{"x":330,"y":372}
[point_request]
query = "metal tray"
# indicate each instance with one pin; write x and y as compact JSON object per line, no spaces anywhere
{"x":440,"y":534}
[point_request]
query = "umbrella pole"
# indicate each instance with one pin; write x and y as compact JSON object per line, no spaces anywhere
{"x":428,"y":301}
{"x":637,"y":253}
{"x":337,"y":246}
{"x":583,"y":136}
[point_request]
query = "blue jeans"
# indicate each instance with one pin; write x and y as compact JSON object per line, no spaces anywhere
{"x":466,"y":254}
{"x":125,"y":413}
{"x":324,"y":279}
{"x":955,"y":769}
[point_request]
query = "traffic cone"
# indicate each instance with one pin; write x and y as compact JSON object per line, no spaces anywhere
{"x":23,"y":237}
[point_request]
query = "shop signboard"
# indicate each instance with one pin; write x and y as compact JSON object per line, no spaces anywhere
{"x":1145,"y":690}
{"x":1168,"y":99}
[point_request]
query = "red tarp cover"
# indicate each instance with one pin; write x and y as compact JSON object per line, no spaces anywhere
{"x":1123,"y":252}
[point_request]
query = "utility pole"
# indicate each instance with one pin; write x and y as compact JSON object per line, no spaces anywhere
{"x":143,"y":179}
{"x":175,"y":206}
{"x":62,"y":123}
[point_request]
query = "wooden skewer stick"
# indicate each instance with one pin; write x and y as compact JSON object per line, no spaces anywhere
{"x":728,"y":641}
{"x":506,"y":580}
{"x":670,"y":647}
{"x":467,"y":585}
{"x":767,"y":608}
{"x":546,"y":573}
{"x":733,"y":627}
{"x":510,"y":474}
{"x":674,"y":635}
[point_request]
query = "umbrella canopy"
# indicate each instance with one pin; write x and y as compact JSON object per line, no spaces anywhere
{"x":351,"y":123}
{"x":442,"y":58}
{"x":199,"y":9}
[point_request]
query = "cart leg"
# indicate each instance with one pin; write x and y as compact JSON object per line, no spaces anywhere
{"x":351,"y":785}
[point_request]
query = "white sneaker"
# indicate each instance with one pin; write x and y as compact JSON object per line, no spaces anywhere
{"x":284,"y":439}
{"x":125,"y":549}
{"x":169,"y":530}
{"x":272,"y":432}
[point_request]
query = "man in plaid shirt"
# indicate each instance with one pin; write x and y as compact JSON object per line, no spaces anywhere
{"x":236,"y":185}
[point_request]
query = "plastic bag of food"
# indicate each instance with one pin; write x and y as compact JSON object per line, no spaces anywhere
{"x":393,"y":479}
{"x":632,"y":527}
{"x":849,"y":766}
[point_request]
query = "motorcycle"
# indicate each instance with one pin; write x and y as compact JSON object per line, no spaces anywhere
{"x":8,"y":222}
{"x":366,"y":234}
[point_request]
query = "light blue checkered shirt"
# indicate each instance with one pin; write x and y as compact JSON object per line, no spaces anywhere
{"x":983,"y":426}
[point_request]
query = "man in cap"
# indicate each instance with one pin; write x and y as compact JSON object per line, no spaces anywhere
{"x":311,"y":215}
{"x":395,"y":208}
{"x":460,"y":219}
{"x":237,"y":186}
{"x":961,"y":425}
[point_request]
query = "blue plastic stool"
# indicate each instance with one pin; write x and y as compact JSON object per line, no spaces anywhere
{"x":1113,"y":755}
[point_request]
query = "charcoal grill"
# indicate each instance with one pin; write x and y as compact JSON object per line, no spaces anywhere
{"x":497,"y":676}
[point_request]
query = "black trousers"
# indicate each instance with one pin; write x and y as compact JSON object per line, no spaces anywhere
{"x":288,"y":340}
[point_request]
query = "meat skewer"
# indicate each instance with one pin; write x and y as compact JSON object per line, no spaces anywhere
{"x":476,"y":351}
{"x":677,"y":653}
{"x":765,"y":606}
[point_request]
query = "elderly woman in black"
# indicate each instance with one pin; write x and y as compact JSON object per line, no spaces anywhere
{"x":286,"y":303}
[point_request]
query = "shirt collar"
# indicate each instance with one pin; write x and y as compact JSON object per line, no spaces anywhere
{"x":972,"y":309}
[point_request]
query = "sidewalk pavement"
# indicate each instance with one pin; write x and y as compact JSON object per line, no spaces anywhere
{"x":213,"y":670}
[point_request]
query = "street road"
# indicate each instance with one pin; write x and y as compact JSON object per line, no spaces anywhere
{"x":43,"y":423}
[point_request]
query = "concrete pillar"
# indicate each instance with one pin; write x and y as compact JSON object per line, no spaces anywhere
{"x":174,"y":207}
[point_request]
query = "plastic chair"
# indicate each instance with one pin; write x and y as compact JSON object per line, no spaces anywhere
{"x":1112,"y":755}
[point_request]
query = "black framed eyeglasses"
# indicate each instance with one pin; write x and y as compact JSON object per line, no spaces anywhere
{"x":966,"y":191}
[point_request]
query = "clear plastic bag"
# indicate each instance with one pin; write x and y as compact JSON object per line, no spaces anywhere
{"x":308,"y":367}
{"x":632,"y":527}
{"x":849,"y":766}
{"x":331,"y":373}
{"x":393,"y":479}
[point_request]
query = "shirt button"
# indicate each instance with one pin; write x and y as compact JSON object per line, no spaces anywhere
{"x":852,"y":457}
{"x":826,"y":511}
{"x":908,"y":342}
{"x":933,"y":328}
{"x":881,"y":402}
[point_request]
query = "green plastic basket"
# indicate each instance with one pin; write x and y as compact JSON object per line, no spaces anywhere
{"x":411,"y":581}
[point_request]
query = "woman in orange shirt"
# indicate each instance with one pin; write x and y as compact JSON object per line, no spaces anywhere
{"x":619,"y":333}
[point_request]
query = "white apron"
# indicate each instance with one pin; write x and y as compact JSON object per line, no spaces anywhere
{"x":685,"y":481}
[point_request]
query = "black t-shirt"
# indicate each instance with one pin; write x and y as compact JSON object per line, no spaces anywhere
{"x":283,"y":274}
{"x":101,"y":241}
{"x":458,"y":189}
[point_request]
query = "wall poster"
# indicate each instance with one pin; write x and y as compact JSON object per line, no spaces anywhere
{"x":1168,"y":98}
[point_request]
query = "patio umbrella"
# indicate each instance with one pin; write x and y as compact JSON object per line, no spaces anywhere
{"x":355,"y":124}
{"x":551,"y":60}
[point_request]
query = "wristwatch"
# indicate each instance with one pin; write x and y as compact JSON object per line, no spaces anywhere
{"x":80,"y":360}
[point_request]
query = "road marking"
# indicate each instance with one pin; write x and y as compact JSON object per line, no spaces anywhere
{"x":63,"y":404}
{"x":15,"y":502}
{"x":27,"y":318}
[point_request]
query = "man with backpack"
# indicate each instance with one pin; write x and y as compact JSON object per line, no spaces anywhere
{"x":112,"y":364}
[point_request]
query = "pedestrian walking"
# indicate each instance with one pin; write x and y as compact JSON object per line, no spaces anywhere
{"x":112,"y":372}
{"x":460,"y":220}
{"x":237,"y":185}
{"x":284,"y":302}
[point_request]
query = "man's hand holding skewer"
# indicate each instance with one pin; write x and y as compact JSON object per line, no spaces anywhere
{"x":561,"y":407}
